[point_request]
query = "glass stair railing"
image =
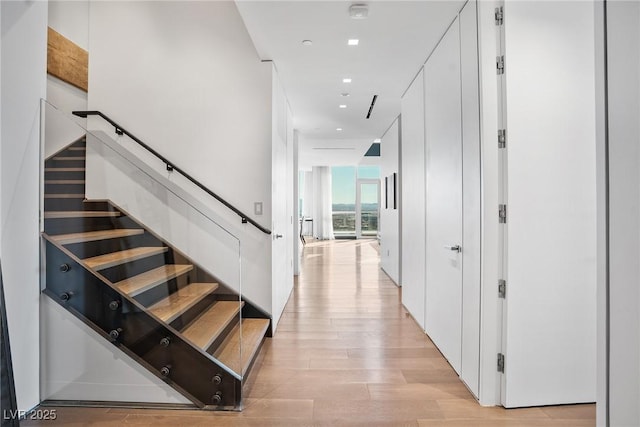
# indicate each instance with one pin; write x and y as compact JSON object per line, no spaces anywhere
{"x":135,"y":285}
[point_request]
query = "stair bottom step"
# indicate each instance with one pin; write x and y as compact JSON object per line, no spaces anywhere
{"x":237,"y":353}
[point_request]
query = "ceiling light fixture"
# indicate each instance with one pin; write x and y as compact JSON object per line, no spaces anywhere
{"x":358,"y":11}
{"x":377,"y":140}
{"x":346,"y":80}
{"x":344,"y":94}
{"x":339,"y":129}
{"x":353,"y":42}
{"x":343,"y":106}
{"x":307,"y":42}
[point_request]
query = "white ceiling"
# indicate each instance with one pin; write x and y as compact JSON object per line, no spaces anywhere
{"x":395,"y":40}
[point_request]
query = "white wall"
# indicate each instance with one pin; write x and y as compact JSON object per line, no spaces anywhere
{"x":412,"y":194}
{"x":282,"y":195}
{"x":389,"y":227}
{"x":71,"y":19}
{"x":193,"y":88}
{"x":623,"y":85}
{"x":98,"y":370}
{"x":297,"y":244}
{"x":602,"y":379}
{"x":490,"y":305}
{"x":23,"y":51}
{"x":550,"y":336}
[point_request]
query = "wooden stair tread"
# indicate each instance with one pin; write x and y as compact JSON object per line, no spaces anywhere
{"x":80,"y":214}
{"x":77,"y":148}
{"x":70,"y":158}
{"x":89,"y":236}
{"x":253,"y":331}
{"x":64,"y":181}
{"x":178,"y":303}
{"x":205,"y":329}
{"x":64,"y":169}
{"x":101,"y":262}
{"x":63,"y":196}
{"x":142,"y":282}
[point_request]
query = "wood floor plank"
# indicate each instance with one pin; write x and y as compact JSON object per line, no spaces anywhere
{"x":238,"y":349}
{"x":80,"y":214}
{"x":112,"y":259}
{"x":142,"y":282}
{"x":178,"y":303}
{"x":204,"y":330}
{"x":88,"y":236}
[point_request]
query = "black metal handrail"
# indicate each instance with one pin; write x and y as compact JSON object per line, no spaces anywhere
{"x":172,"y":167}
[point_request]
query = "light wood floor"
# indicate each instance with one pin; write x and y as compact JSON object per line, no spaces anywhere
{"x":345,"y":353}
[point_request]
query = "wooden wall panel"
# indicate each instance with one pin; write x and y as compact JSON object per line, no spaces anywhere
{"x":67,"y":61}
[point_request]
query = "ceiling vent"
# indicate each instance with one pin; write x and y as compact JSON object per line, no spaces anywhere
{"x":373,"y":102}
{"x":359,"y":11}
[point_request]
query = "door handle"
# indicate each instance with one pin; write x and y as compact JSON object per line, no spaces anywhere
{"x":278,"y":236}
{"x":455,"y":248}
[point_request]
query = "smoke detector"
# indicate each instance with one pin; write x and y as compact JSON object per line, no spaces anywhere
{"x":358,"y":11}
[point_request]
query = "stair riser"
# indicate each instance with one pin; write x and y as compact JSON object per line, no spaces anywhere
{"x":51,"y":175}
{"x":78,"y":225}
{"x":101,"y":247}
{"x":249,"y":311}
{"x":64,"y":204}
{"x":71,"y":153}
{"x":216,"y":343}
{"x":124,"y":271}
{"x":52,"y":163}
{"x":64,"y":189}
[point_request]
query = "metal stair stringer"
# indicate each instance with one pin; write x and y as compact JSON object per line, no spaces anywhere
{"x":128,"y":325}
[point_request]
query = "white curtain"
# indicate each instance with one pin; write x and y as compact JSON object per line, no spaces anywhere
{"x":322,"y":204}
{"x":307,"y":196}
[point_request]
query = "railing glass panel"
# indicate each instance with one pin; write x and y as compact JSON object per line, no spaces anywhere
{"x":143,"y":260}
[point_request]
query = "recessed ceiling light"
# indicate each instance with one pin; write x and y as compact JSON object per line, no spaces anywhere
{"x":339,"y":129}
{"x":358,"y":11}
{"x":307,"y":42}
{"x":353,"y":42}
{"x":377,"y":140}
{"x":343,"y":106}
{"x":346,"y":80}
{"x":344,"y":94}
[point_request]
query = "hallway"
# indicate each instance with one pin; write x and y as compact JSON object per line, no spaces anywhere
{"x":345,"y":353}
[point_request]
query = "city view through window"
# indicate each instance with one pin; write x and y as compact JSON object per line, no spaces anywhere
{"x":344,"y":182}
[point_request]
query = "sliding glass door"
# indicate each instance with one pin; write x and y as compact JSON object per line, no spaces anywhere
{"x":367,"y":208}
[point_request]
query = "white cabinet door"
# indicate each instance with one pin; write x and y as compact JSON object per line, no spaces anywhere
{"x":443,"y":321}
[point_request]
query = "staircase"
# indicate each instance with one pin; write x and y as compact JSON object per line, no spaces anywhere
{"x":142,"y":294}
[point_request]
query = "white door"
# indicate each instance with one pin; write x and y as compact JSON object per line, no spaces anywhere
{"x":549,"y":340}
{"x":443,"y":321}
{"x":471,"y":199}
{"x":367,"y":208}
{"x":282,"y":276}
